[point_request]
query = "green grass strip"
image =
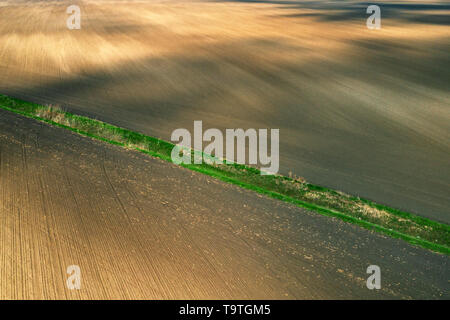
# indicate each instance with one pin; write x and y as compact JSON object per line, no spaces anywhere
{"x":414,"y":229}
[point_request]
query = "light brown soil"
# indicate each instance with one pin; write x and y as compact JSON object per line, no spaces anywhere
{"x":142,"y":228}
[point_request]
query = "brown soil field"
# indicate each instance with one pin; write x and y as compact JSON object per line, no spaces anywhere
{"x":142,"y":228}
{"x":362,"y":111}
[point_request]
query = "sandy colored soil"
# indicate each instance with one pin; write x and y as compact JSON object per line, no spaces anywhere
{"x":139,"y":227}
{"x":361,"y":111}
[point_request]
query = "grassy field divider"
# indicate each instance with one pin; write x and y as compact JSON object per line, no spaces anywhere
{"x":414,"y":229}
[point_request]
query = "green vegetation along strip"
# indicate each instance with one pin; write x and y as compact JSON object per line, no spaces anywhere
{"x":395,"y":223}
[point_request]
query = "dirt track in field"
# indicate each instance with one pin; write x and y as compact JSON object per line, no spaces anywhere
{"x":139,"y":227}
{"x":361,"y":111}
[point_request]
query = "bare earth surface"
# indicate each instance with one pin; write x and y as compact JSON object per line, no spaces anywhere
{"x":363,"y":111}
{"x":139,"y":227}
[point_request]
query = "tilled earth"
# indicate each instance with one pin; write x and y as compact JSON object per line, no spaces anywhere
{"x":139,"y":227}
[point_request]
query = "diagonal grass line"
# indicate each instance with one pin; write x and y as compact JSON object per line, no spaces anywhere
{"x":414,"y":229}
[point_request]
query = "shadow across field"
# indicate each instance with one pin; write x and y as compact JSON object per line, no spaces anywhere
{"x":347,"y":10}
